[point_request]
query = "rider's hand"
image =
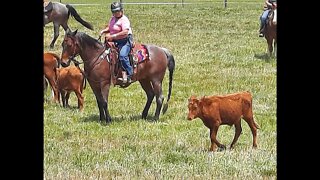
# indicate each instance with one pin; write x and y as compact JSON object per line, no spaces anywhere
{"x":102,"y":32}
{"x":274,"y":5}
{"x":108,"y":37}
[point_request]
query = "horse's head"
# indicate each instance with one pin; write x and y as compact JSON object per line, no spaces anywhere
{"x":70,"y":48}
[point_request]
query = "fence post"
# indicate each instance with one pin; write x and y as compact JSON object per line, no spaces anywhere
{"x":225,"y":3}
{"x":182,"y":1}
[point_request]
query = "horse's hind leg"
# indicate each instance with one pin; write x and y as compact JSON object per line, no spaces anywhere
{"x":101,"y":111}
{"x":55,"y":34}
{"x":146,"y":85}
{"x":270,"y":47}
{"x":157,"y":89}
{"x":275,"y":48}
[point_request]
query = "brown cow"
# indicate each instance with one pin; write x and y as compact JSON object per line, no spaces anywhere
{"x":220,"y":110}
{"x":51,"y":62}
{"x":71,"y":79}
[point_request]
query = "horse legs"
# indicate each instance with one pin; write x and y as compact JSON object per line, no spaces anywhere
{"x":105,"y":94}
{"x":275,"y":48}
{"x":146,"y":85}
{"x":157,"y":89}
{"x":101,"y":111}
{"x":55,"y":35}
{"x":270,"y":47}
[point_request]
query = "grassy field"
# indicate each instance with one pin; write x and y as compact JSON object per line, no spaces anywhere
{"x":217,"y":51}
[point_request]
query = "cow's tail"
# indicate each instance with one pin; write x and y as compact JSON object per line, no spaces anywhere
{"x":256,"y":125}
{"x":75,"y":14}
{"x":171,"y":67}
{"x":84,"y":80}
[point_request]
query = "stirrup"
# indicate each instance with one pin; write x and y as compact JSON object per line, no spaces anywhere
{"x":124,"y":81}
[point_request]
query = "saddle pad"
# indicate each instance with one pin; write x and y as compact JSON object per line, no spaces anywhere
{"x":140,"y":52}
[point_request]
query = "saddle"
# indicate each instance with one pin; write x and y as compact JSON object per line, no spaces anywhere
{"x":138,"y":54}
{"x":47,"y":6}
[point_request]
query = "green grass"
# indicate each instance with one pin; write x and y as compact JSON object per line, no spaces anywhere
{"x":217,"y":51}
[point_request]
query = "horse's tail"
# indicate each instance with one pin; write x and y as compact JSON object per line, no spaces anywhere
{"x":75,"y":14}
{"x":171,"y":67}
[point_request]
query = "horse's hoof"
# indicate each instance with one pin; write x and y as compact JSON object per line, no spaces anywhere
{"x":222,"y":148}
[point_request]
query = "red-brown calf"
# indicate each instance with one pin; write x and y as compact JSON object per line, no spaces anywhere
{"x":71,"y":79}
{"x":220,"y":110}
{"x":50,"y":64}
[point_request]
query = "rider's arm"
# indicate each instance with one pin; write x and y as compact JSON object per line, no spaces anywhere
{"x":120,"y":35}
{"x":269,"y":4}
{"x":105,"y":30}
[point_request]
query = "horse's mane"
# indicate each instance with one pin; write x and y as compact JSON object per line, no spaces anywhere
{"x":86,"y":40}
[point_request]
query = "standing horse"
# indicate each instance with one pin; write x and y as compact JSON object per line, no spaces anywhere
{"x":271,"y":32}
{"x":58,"y":14}
{"x":99,"y":70}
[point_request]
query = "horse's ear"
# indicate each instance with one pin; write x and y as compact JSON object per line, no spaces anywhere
{"x":75,"y":32}
{"x":68,"y":31}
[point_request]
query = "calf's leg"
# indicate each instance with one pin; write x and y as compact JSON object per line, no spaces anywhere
{"x":80,"y":100}
{"x":238,"y":130}
{"x":214,"y":138}
{"x":253,"y":126}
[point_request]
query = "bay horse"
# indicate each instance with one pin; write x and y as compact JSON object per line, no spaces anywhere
{"x":58,"y":14}
{"x":51,"y":62}
{"x":99,"y":70}
{"x":271,"y":32}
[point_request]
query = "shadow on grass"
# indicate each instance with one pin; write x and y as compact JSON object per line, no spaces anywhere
{"x":264,"y":56}
{"x":116,"y":119}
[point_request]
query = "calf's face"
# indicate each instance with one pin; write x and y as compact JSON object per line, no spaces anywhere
{"x":193,"y":106}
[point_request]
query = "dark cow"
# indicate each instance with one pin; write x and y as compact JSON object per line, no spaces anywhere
{"x":71,"y":79}
{"x":224,"y":110}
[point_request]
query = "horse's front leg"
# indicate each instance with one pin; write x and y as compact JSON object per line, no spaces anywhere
{"x":146,"y":86}
{"x":101,"y":111}
{"x":270,"y":47}
{"x":275,"y":48}
{"x":55,"y":35}
{"x":105,"y":95}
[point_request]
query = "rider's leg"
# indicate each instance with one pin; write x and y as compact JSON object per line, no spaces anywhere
{"x":263,"y":20}
{"x":124,"y":58}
